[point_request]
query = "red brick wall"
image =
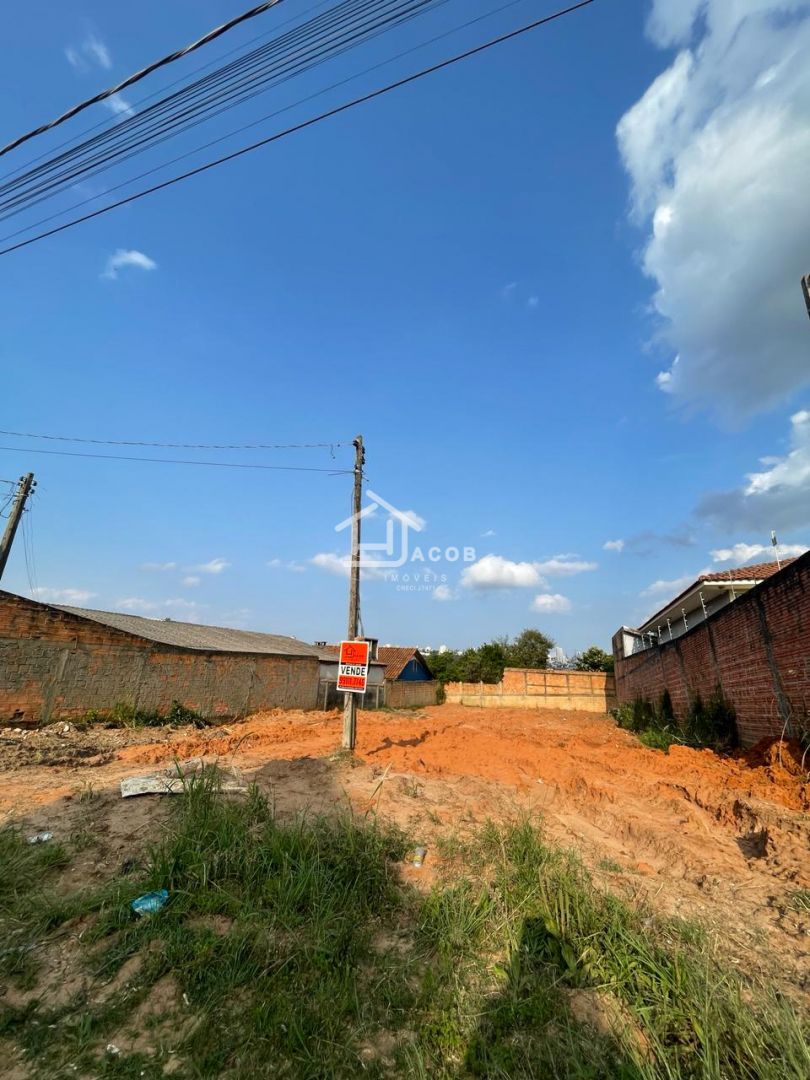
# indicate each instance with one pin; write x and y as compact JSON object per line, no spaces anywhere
{"x":757,"y":650}
{"x":54,"y":665}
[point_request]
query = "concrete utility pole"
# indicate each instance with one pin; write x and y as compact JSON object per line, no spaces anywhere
{"x":350,"y":700}
{"x":24,"y":488}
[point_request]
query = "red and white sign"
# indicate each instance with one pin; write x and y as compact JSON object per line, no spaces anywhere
{"x":353,"y":666}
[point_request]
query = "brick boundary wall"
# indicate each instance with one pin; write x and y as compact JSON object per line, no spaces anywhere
{"x":402,"y":694}
{"x":55,"y":665}
{"x":531,"y":688}
{"x":756,"y":649}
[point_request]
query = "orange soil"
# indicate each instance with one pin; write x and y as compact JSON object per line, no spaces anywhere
{"x":727,"y":839}
{"x":513,"y":746}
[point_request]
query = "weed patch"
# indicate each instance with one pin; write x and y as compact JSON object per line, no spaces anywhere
{"x":292,"y":948}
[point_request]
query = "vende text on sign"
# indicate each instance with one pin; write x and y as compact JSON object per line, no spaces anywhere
{"x":353,"y":666}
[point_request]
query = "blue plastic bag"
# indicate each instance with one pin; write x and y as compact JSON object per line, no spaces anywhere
{"x":150,"y":902}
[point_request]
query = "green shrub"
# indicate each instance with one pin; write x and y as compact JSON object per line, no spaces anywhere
{"x":712,"y":724}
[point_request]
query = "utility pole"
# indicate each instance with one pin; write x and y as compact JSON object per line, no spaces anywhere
{"x":806,"y":291}
{"x":350,"y":700}
{"x":24,"y":488}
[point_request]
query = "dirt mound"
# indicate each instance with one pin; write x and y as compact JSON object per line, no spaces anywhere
{"x":721,"y":836}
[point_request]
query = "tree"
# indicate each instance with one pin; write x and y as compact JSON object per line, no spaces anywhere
{"x":529,"y":650}
{"x":443,"y":666}
{"x":594,"y":659}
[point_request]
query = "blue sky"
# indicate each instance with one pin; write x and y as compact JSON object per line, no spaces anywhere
{"x":479,"y":273}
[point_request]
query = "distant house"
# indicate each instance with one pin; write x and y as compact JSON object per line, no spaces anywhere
{"x":398,"y":677}
{"x":744,"y":633}
{"x":59,"y":662}
{"x":707,"y":594}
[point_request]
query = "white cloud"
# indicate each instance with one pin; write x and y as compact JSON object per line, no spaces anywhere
{"x":95,"y":48}
{"x":551,"y":604}
{"x":122,"y":257}
{"x":443,"y":593}
{"x":613,"y":545}
{"x":495,"y":572}
{"x":214,"y":566}
{"x":340,"y":565}
{"x":778,"y":497}
{"x":118,"y":105}
{"x":533,"y":301}
{"x":62,"y":596}
{"x":742,"y":553}
{"x":666,"y":589}
{"x":488,"y":533}
{"x":280,"y":564}
{"x":564,"y":566}
{"x":91,"y":52}
{"x":191,"y":581}
{"x":718,"y":152}
{"x":158,"y":566}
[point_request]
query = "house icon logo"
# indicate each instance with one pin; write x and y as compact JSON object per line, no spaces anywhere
{"x":394,"y":550}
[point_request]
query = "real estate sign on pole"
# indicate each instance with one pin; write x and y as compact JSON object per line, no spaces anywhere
{"x":353,"y":667}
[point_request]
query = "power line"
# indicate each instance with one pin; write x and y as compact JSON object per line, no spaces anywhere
{"x":268,"y":116}
{"x":328,"y":114}
{"x":338,"y":30}
{"x":155,"y":93}
{"x":179,"y":446}
{"x":131,"y":79}
{"x":179,"y":461}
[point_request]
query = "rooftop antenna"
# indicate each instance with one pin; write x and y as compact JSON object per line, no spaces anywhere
{"x":775,"y":544}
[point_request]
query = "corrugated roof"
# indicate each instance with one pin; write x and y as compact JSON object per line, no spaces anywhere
{"x":194,"y":636}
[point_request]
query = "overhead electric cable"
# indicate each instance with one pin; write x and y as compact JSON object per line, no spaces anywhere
{"x":180,"y":446}
{"x":303,"y":125}
{"x":131,"y":79}
{"x":110,"y":120}
{"x":263,"y":119}
{"x":179,"y":461}
{"x":309,"y":45}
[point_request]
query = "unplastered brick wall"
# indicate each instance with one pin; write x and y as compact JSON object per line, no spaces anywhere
{"x":55,"y":665}
{"x":530,"y":688}
{"x":402,"y":694}
{"x":756,"y":650}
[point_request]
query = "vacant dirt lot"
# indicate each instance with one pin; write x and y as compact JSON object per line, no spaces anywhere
{"x":726,"y":840}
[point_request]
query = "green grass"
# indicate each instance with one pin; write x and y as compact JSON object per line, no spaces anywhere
{"x":800,"y":901}
{"x":291,"y":948}
{"x":124,"y":715}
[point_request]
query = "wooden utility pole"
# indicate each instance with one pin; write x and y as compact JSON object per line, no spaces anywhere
{"x":24,"y":489}
{"x":350,"y":700}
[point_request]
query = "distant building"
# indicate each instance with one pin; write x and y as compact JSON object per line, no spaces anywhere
{"x":58,"y":662}
{"x":743,"y":632}
{"x":707,"y":594}
{"x":398,"y":677}
{"x":557,"y":658}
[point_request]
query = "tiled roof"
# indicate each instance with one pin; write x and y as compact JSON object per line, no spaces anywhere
{"x":184,"y":635}
{"x":396,"y":657}
{"x":755,"y":572}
